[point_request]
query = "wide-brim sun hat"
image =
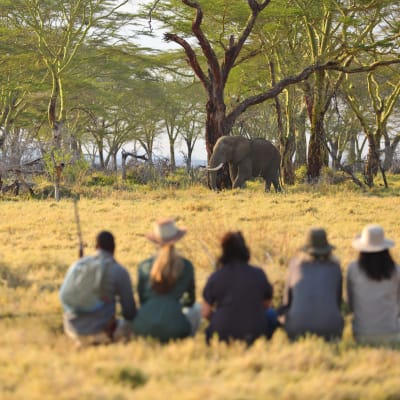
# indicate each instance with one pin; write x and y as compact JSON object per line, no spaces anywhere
{"x":317,"y":243}
{"x":166,"y":232}
{"x":372,"y":240}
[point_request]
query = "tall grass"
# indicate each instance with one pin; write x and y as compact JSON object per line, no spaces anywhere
{"x":38,"y":242}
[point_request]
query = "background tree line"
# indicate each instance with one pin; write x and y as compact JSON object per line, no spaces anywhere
{"x":319,"y":78}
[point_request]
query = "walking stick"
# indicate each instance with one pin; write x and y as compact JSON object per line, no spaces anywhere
{"x":78,"y":227}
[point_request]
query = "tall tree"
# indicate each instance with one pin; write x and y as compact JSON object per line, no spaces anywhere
{"x":60,"y":29}
{"x":219,"y":52}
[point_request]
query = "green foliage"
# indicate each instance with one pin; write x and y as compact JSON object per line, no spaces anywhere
{"x":101,"y":179}
{"x":76,"y":172}
{"x":301,"y":174}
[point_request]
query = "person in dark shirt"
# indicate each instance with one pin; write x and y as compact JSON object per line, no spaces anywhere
{"x":236,"y":295}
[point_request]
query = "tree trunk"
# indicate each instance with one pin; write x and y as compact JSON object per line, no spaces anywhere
{"x":215,"y":128}
{"x":286,"y":163}
{"x":301,"y":141}
{"x":372,"y":162}
{"x":172,"y":155}
{"x":390,"y":151}
{"x":315,"y":150}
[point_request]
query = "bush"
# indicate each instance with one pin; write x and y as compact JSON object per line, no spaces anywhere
{"x":102,"y":179}
{"x":301,"y":174}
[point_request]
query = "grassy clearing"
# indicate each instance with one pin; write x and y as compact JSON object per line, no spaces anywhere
{"x":38,"y":242}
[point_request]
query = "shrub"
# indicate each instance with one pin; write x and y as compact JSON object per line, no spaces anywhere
{"x":301,"y":174}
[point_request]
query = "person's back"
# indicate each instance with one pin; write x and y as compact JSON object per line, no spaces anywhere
{"x":239,"y":291}
{"x":99,"y":324}
{"x":316,"y":294}
{"x":313,"y":291}
{"x":377,"y":303}
{"x":236,"y":295}
{"x":160,"y":315}
{"x":166,"y":289}
{"x":373,"y":289}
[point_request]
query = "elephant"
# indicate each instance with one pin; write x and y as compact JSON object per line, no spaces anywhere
{"x":246,"y":158}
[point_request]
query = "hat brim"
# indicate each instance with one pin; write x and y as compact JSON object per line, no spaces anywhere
{"x":359,"y":245}
{"x":157,"y":240}
{"x":319,"y":251}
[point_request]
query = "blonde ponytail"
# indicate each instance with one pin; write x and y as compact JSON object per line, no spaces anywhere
{"x":166,"y":268}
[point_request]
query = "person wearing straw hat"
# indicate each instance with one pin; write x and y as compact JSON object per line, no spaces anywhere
{"x":313,"y":291}
{"x":166,"y":288}
{"x":373,"y":288}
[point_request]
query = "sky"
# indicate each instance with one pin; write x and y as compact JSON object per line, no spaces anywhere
{"x":161,"y":146}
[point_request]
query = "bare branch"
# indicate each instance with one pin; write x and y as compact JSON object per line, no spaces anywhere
{"x":191,"y":57}
{"x":152,"y":8}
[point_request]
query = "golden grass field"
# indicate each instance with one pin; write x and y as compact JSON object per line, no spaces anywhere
{"x":38,"y":242}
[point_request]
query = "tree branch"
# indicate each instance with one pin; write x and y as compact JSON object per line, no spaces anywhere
{"x":191,"y":57}
{"x":203,"y":41}
{"x":302,"y":76}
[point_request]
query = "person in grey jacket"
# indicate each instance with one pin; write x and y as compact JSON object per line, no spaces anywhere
{"x":100,"y":326}
{"x":373,"y":289}
{"x":313,"y":291}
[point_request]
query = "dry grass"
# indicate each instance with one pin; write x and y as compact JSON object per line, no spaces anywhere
{"x":38,"y":242}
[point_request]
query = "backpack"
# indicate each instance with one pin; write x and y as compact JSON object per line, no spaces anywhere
{"x":82,"y":289}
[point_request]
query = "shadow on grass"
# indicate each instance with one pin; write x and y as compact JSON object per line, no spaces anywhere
{"x":125,"y":375}
{"x":13,"y":279}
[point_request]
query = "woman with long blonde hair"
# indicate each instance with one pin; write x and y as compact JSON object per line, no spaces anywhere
{"x":166,"y":289}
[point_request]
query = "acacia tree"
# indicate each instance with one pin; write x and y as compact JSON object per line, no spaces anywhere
{"x":61,"y":28}
{"x":373,"y":114}
{"x":215,"y":78}
{"x":214,"y":59}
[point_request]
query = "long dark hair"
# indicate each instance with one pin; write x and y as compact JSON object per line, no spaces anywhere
{"x":377,"y":266}
{"x":233,"y":249}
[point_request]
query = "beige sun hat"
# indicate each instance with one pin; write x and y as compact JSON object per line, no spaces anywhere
{"x":372,"y":240}
{"x":317,"y":243}
{"x":166,"y":232}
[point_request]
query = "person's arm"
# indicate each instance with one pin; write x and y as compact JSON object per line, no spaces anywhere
{"x":267,"y":303}
{"x":340,"y":289}
{"x":287,"y":291}
{"x":209,"y":299}
{"x":206,"y":310}
{"x":268,"y":291}
{"x":349,"y":288}
{"x":189,"y":296}
{"x":125,"y":293}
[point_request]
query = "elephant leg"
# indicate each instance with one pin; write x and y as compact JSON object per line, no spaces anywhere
{"x":277,"y":186}
{"x":268,"y":185}
{"x":243,"y":173}
{"x":233,"y":171}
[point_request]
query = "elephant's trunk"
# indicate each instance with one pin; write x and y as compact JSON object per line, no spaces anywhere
{"x":214,"y":166}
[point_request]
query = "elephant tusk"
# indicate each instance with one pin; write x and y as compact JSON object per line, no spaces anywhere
{"x":216,"y":168}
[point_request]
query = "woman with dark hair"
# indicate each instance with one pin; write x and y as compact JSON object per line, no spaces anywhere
{"x":313,"y":290}
{"x":373,"y":289}
{"x":236,"y":295}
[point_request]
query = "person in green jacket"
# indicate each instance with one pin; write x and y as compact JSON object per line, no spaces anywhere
{"x":166,"y":288}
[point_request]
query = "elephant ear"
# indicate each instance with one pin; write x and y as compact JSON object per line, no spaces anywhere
{"x":241,"y":149}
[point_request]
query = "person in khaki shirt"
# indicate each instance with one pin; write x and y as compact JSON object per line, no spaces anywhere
{"x":313,"y":291}
{"x":373,"y":289}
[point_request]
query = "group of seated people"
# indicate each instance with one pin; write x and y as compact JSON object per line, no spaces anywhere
{"x":237,"y":297}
